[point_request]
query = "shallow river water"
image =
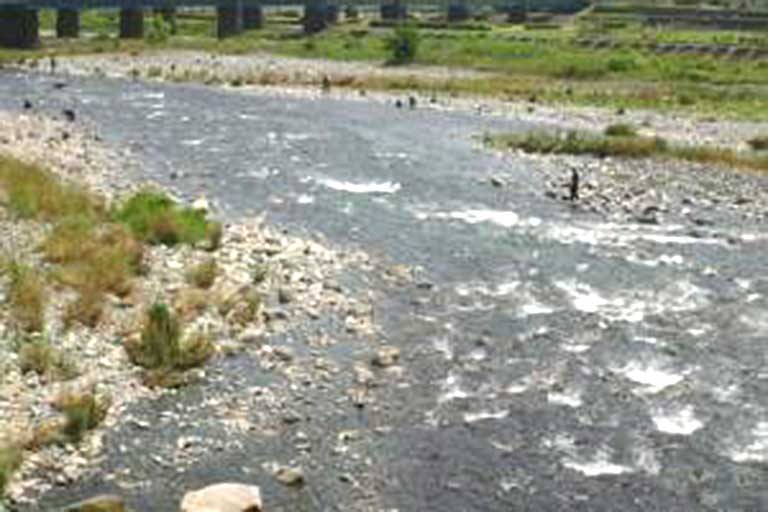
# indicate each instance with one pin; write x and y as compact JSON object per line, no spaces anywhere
{"x":554,"y":360}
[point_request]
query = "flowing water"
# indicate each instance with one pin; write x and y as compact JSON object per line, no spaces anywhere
{"x":554,"y":360}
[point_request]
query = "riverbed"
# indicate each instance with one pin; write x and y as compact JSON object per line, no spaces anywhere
{"x":603,"y":355}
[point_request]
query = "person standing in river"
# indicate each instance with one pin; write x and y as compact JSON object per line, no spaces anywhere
{"x":574,"y":185}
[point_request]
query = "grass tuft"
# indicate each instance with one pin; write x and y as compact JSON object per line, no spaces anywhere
{"x":82,"y":412}
{"x":26,"y":296}
{"x":160,"y":348}
{"x":203,"y":274}
{"x":10,"y":460}
{"x":620,"y":130}
{"x":45,"y":360}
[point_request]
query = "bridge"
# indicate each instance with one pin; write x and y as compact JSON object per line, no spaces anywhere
{"x":19,"y":22}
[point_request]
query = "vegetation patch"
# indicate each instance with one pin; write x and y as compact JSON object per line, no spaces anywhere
{"x":578,"y":143}
{"x":10,"y":460}
{"x":759,"y":143}
{"x":156,"y":219}
{"x":42,"y":358}
{"x":27,"y":298}
{"x":82,"y":412}
{"x":34,"y":193}
{"x":620,"y":130}
{"x":403,"y":44}
{"x":161,"y":351}
{"x":203,"y":274}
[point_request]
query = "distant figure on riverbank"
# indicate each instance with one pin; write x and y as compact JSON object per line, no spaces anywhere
{"x":412,"y":102}
{"x":326,"y":85}
{"x":69,"y":115}
{"x":27,"y":105}
{"x":53,"y":65}
{"x":399,"y":103}
{"x":574,"y":185}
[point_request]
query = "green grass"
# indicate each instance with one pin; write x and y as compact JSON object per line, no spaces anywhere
{"x":579,"y":143}
{"x":620,"y":130}
{"x":154,"y":218}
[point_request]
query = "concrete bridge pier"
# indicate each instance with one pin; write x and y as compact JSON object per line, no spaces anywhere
{"x":332,"y":12}
{"x":67,"y":23}
{"x":229,"y":18}
{"x":253,"y":16}
{"x":458,"y":11}
{"x":315,"y":16}
{"x":131,"y":23}
{"x":394,"y":11}
{"x":19,"y":27}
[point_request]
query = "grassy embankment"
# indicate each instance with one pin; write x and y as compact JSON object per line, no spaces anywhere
{"x":535,"y":62}
{"x":623,"y":141}
{"x":92,"y":251}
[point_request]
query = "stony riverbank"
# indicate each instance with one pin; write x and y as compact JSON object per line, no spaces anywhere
{"x":297,"y":280}
{"x":265,"y":74}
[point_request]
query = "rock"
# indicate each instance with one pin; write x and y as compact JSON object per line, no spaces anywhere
{"x":201,"y":204}
{"x":386,"y":356}
{"x":224,"y":497}
{"x":252,"y":336}
{"x":293,"y":477}
{"x":497,"y":182}
{"x":284,"y":295}
{"x":102,"y":503}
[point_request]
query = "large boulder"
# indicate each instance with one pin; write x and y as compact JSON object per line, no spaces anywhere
{"x":226,"y":497}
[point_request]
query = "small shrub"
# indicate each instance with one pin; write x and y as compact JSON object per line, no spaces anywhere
{"x":621,"y":130}
{"x":403,"y":45}
{"x":45,"y":360}
{"x":156,"y":219}
{"x":27,"y":298}
{"x":161,"y":351}
{"x":159,"y":30}
{"x":10,"y":460}
{"x":204,"y":274}
{"x":82,"y":412}
{"x":214,"y":235}
{"x":759,"y":143}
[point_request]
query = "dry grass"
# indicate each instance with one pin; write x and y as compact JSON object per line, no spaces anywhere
{"x":45,"y":360}
{"x":10,"y":460}
{"x":27,"y":299}
{"x":36,"y":194}
{"x":203,"y":274}
{"x":94,"y":260}
{"x":83,"y":411}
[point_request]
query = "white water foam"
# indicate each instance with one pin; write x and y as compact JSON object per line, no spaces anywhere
{"x":452,"y":390}
{"x":680,"y":422}
{"x":598,"y":464}
{"x":503,"y":218}
{"x":651,"y":376}
{"x":633,"y":305}
{"x":386,"y":187}
{"x":757,"y":449}
{"x":568,"y":398}
{"x":472,"y":417}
